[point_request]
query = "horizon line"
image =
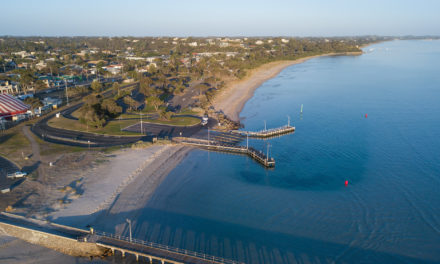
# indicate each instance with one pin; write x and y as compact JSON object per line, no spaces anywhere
{"x":216,"y":36}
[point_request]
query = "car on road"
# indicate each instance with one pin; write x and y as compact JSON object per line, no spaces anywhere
{"x":204,"y":120}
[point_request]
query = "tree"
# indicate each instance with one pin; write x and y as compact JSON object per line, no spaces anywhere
{"x":165,"y":115}
{"x":91,"y":116}
{"x":111,"y":107}
{"x":33,"y":102}
{"x":145,"y":85}
{"x":91,"y":100}
{"x":116,"y":88}
{"x":131,"y":103}
{"x":96,"y":86}
{"x":26,"y":80}
{"x":39,"y":84}
{"x":201,"y":87}
{"x":154,"y":101}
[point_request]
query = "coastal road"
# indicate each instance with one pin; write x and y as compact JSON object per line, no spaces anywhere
{"x":78,"y":138}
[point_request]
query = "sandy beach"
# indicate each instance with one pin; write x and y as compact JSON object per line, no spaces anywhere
{"x":121,"y":184}
{"x":234,"y":96}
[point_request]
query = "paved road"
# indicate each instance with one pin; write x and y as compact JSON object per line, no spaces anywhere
{"x":77,"y":138}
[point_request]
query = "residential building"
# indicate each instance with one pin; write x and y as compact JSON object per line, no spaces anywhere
{"x":7,"y":87}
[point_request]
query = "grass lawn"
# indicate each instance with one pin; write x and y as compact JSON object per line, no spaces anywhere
{"x":176,"y":121}
{"x":13,"y":143}
{"x":111,"y":128}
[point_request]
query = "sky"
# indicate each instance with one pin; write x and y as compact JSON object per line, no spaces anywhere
{"x":219,"y":17}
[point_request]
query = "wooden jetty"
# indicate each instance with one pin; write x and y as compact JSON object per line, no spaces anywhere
{"x":266,"y":133}
{"x":257,"y":155}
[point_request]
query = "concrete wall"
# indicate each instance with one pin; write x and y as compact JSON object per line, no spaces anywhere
{"x":61,"y":244}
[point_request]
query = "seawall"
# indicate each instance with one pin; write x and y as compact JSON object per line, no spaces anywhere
{"x":59,"y":243}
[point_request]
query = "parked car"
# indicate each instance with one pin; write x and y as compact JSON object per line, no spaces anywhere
{"x":17,"y":174}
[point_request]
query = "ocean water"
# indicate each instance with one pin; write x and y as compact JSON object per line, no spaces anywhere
{"x":301,"y":211}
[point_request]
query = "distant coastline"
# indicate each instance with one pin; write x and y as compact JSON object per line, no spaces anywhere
{"x":232,"y":99}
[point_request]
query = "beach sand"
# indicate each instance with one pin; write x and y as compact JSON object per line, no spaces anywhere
{"x":234,"y":96}
{"x":123,"y":183}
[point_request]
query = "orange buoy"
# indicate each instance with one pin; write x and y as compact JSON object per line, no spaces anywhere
{"x":346,"y":183}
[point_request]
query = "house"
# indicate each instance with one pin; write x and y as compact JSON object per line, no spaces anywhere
{"x":134,"y":58}
{"x":285,"y":40}
{"x":259,"y":42}
{"x":21,"y":54}
{"x":192,"y":44}
{"x":94,"y":63}
{"x":41,"y":65}
{"x":113,"y":69}
{"x":7,"y":87}
{"x":52,"y":102}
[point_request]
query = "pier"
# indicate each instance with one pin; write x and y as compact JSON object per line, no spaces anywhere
{"x":257,"y":155}
{"x":86,"y":243}
{"x":150,"y":251}
{"x":266,"y":133}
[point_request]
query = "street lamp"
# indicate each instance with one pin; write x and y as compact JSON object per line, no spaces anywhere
{"x":129,"y":226}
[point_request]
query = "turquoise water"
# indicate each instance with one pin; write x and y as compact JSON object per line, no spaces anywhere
{"x":301,"y":211}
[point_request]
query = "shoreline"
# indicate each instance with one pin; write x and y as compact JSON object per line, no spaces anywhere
{"x":232,"y":99}
{"x":111,"y":193}
{"x":125,"y":184}
{"x":109,"y":190}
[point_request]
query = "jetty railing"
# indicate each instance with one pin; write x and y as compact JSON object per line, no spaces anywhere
{"x":257,"y":155}
{"x":167,"y":248}
{"x":267,"y":132}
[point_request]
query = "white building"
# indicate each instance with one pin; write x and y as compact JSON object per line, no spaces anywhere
{"x":259,"y":42}
{"x":113,"y":69}
{"x":192,"y":44}
{"x":285,"y":40}
{"x":41,"y":65}
{"x":7,"y":87}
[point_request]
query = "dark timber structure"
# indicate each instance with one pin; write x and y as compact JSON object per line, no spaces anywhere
{"x":259,"y":156}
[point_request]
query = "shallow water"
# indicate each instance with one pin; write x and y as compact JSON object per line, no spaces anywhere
{"x":301,"y":211}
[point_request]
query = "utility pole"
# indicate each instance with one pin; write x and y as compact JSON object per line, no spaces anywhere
{"x":129,"y":226}
{"x":67,"y":95}
{"x":142,"y":129}
{"x":267,"y":156}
